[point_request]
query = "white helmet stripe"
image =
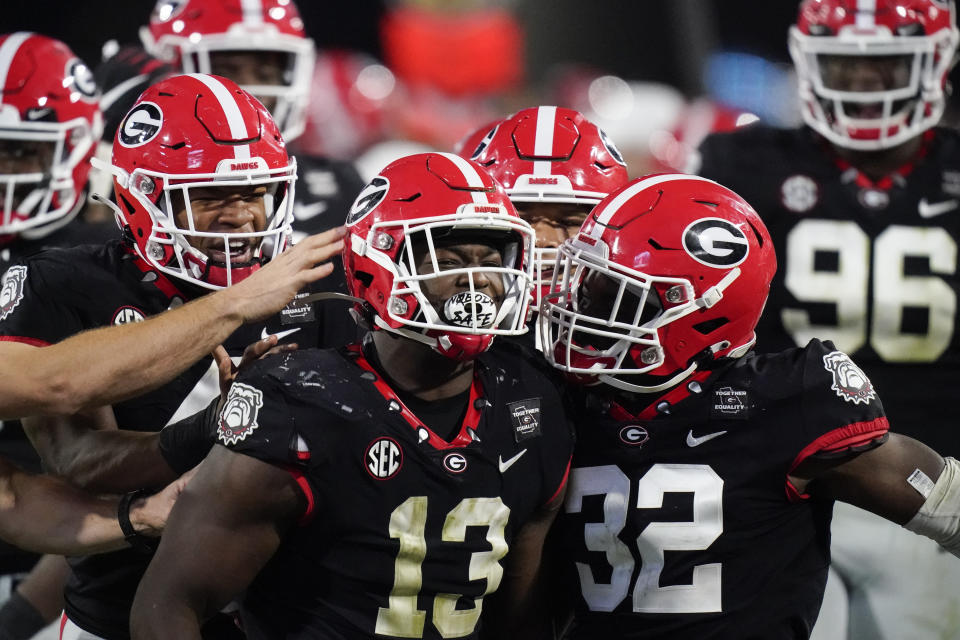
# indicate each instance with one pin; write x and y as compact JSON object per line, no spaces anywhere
{"x":238,"y":129}
{"x":543,"y":144}
{"x":470,"y":175}
{"x":7,"y":53}
{"x":604,"y":215}
{"x":252,"y":12}
{"x":866,"y":14}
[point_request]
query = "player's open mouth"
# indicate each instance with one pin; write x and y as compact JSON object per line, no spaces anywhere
{"x":241,"y":251}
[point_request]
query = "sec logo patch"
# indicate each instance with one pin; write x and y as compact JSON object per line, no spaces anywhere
{"x":383,"y":458}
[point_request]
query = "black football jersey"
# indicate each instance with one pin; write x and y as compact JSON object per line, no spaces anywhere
{"x":60,"y":292}
{"x":683,"y":524}
{"x":871,"y":266}
{"x":406,"y":532}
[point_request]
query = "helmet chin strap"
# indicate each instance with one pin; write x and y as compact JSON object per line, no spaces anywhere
{"x":683,"y":375}
{"x":636,"y":388}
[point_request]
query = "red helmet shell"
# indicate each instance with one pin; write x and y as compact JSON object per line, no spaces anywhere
{"x":695,"y":246}
{"x":552,"y":154}
{"x":922,"y":32}
{"x":197,"y":131}
{"x":186,"y":32}
{"x":48,"y":95}
{"x":432,"y":193}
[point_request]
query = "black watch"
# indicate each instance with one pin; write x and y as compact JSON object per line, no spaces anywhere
{"x":141,"y":543}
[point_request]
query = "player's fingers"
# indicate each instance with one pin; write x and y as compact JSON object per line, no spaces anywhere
{"x":257,"y":350}
{"x":222,"y":358}
{"x":316,"y":273}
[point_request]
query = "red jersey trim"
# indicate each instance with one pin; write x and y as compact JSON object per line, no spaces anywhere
{"x":163,"y":283}
{"x":886,"y":182}
{"x":853,"y":435}
{"x":672,"y":397}
{"x":563,"y":481}
{"x":33,"y":342}
{"x":470,"y":421}
{"x":307,"y":492}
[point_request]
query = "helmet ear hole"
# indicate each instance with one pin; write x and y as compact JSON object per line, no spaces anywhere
{"x":365,"y":278}
{"x":709,"y":326}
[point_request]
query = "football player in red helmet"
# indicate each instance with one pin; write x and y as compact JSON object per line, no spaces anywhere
{"x":705,"y":473}
{"x":203,"y":182}
{"x":260,"y":45}
{"x":49,"y":125}
{"x":862,"y":205}
{"x":555,"y":165}
{"x":394,"y":262}
{"x":204,"y":195}
{"x":433,"y":432}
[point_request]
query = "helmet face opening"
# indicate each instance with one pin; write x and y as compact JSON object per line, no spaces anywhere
{"x":873,"y":75}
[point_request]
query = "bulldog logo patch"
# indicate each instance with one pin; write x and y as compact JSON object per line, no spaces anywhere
{"x":11,"y":290}
{"x":238,"y":418}
{"x":849,"y":381}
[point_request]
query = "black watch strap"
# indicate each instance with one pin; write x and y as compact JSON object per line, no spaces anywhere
{"x":139,"y":542}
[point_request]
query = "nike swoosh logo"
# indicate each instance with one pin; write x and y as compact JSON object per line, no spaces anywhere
{"x":307,"y":211}
{"x":280,"y":335}
{"x":693,"y":441}
{"x":506,"y":464}
{"x":933,"y":209}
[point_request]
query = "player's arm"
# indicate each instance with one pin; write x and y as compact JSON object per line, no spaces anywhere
{"x":47,"y":515}
{"x":225,"y":527}
{"x":902,"y":480}
{"x":88,"y":449}
{"x":104,"y":366}
{"x":517,"y":609}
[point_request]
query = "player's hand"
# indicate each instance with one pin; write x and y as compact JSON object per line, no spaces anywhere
{"x":149,"y":515}
{"x":228,"y":371}
{"x":268,"y":290}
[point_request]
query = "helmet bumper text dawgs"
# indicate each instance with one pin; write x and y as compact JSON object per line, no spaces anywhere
{"x":922,"y":33}
{"x":667,"y":273}
{"x":417,"y":205}
{"x":48,"y":99}
{"x":194,"y":132}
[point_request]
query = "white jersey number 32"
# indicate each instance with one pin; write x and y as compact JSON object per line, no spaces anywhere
{"x":702,"y":595}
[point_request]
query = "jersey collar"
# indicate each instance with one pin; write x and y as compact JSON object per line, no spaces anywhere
{"x":471,"y":421}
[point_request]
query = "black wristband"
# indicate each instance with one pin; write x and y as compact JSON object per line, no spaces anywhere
{"x":185,"y":444}
{"x":138,"y":541}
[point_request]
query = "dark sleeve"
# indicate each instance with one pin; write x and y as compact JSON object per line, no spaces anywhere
{"x":255,"y":419}
{"x":841,"y":413}
{"x":33,"y":307}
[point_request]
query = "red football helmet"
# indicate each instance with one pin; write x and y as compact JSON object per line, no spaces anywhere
{"x":49,"y":113}
{"x":400,"y":220}
{"x":188,"y":32}
{"x":195,"y":132}
{"x":911,"y":45}
{"x":551,"y":154}
{"x":667,"y":272}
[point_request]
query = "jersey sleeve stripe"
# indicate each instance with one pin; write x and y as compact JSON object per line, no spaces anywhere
{"x":25,"y":340}
{"x":307,"y":492}
{"x":858,"y":436}
{"x":563,"y":482}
